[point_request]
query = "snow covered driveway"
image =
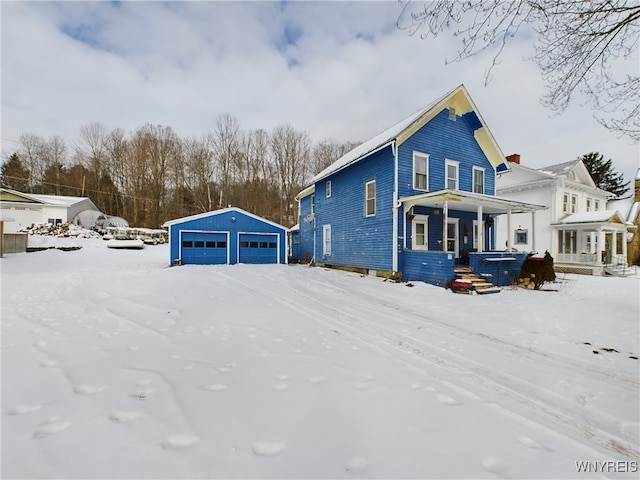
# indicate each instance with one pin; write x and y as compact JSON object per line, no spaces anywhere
{"x":117,"y":366}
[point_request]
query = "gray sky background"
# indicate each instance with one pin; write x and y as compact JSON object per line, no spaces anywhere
{"x":336,"y":70}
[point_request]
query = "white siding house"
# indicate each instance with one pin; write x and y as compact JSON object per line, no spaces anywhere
{"x":576,"y":229}
{"x":20,"y":210}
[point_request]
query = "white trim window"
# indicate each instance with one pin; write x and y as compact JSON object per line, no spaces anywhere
{"x":420,"y":171}
{"x":596,"y":205}
{"x":588,"y":204}
{"x":328,"y":188}
{"x":313,"y":203}
{"x":370,"y":198}
{"x":574,"y":203}
{"x":420,"y":232}
{"x":475,"y":234}
{"x":451,"y":174}
{"x":326,"y":240}
{"x":565,"y":203}
{"x":521,"y":237}
{"x":478,"y":180}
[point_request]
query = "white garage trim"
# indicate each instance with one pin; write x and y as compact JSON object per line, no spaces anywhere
{"x":226,"y":233}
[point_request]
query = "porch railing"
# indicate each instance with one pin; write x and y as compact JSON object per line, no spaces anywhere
{"x":580,"y":258}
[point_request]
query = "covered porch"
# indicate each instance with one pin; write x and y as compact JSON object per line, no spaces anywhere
{"x":590,"y":242}
{"x":447,"y":228}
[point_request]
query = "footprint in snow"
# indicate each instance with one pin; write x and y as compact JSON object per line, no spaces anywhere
{"x":494,"y":465}
{"x":447,"y":400}
{"x":141,"y":393}
{"x":51,"y":426}
{"x":529,"y":442}
{"x":268,"y":449}
{"x":125,"y":416}
{"x":86,"y":389}
{"x":24,"y":408}
{"x":357,"y":465}
{"x":215,"y":387}
{"x":178,"y":441}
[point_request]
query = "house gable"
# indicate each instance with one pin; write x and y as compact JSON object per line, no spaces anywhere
{"x":444,"y":139}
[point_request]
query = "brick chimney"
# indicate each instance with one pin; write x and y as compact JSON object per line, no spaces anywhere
{"x":514,"y":158}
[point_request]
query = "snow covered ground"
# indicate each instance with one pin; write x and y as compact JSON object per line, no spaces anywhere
{"x":115,"y":365}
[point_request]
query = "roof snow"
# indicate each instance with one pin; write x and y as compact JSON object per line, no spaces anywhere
{"x":560,"y":168}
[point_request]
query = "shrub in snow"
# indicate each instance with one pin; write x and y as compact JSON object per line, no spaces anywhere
{"x":537,"y":270}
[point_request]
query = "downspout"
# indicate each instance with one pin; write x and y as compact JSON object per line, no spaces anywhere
{"x":394,"y":244}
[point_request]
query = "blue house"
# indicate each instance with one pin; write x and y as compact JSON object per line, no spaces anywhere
{"x":226,"y":236}
{"x":415,"y":200}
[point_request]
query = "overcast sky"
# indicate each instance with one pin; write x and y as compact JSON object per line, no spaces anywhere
{"x":336,"y":70}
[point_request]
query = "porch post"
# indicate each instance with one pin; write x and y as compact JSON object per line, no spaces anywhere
{"x":614,"y":245}
{"x":480,"y":239}
{"x":624,"y":246}
{"x":445,"y":220}
{"x":509,"y":230}
{"x":601,"y":246}
{"x":533,"y":230}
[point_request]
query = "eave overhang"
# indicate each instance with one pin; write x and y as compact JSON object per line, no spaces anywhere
{"x":469,"y":202}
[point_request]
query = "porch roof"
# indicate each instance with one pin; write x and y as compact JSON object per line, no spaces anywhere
{"x":599,"y":219}
{"x":469,"y":202}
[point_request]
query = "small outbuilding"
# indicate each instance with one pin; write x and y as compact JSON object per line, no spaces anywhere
{"x":226,"y":236}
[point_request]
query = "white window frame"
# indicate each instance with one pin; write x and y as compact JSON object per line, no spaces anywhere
{"x":565,"y":203}
{"x":328,"y":188}
{"x":313,"y":203}
{"x":456,"y":164}
{"x":521,"y":231}
{"x":420,"y":220}
{"x":425,"y":157}
{"x":474,"y":189}
{"x":596,"y":205}
{"x":589,"y":202}
{"x":326,"y":240}
{"x":368,"y":213}
{"x":574,"y":203}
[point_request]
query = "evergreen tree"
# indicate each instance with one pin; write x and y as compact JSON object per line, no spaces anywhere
{"x":604,"y":175}
{"x":13,"y":175}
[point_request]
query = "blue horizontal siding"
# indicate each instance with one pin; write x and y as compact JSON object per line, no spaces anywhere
{"x":357,"y":240}
{"x":443,"y":139}
{"x":231,"y":221}
{"x":435,"y":268}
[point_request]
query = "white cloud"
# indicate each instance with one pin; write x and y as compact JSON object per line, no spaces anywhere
{"x":336,"y":70}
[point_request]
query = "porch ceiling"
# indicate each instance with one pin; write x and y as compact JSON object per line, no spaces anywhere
{"x":469,"y":202}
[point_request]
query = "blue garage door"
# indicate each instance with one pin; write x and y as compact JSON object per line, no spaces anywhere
{"x":258,"y":248}
{"x":204,"y":248}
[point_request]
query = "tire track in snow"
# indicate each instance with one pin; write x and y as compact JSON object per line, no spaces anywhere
{"x":385,"y":340}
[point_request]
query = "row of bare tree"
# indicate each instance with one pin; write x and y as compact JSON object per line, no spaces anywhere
{"x":152,"y":175}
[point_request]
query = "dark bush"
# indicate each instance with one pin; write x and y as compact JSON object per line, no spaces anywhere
{"x":537,"y":270}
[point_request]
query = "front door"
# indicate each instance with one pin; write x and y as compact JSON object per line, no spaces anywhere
{"x":452,"y":236}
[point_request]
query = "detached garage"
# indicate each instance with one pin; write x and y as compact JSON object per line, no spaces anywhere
{"x":226,"y":236}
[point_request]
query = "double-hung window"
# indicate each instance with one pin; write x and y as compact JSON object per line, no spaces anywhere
{"x":451,"y":175}
{"x":420,"y":171}
{"x":370,"y":198}
{"x":326,"y":239}
{"x":419,"y":234}
{"x":313,"y":204}
{"x":565,"y":203}
{"x":328,"y":188}
{"x":478,"y":180}
{"x":574,"y":203}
